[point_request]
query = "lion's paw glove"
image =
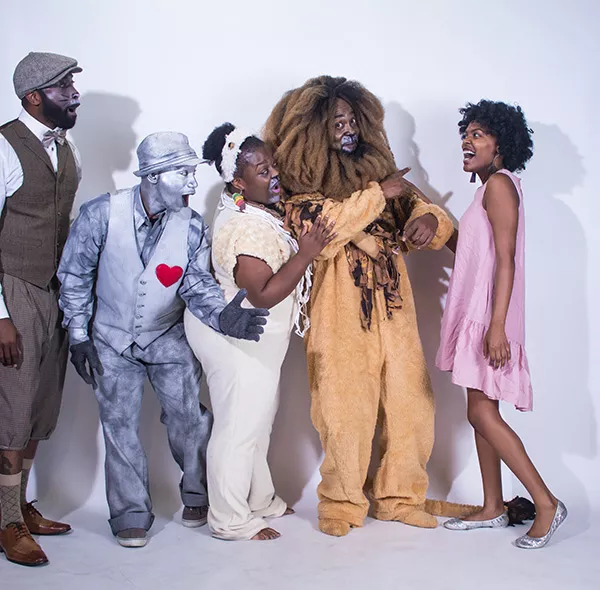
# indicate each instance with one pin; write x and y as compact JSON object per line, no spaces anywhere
{"x":241,"y":322}
{"x":82,"y":352}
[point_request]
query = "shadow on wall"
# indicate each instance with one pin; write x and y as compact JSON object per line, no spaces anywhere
{"x":558,"y":343}
{"x":66,"y":466}
{"x":211,"y":202}
{"x":106,"y":138}
{"x":295,"y":451}
{"x":429,"y":273}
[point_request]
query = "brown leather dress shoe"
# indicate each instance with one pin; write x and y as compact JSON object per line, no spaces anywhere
{"x":18,"y":545}
{"x":38,"y":525}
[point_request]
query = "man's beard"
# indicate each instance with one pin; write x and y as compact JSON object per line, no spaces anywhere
{"x":357,"y":154}
{"x":54,"y":113}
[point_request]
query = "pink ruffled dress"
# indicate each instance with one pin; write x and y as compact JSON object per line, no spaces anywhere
{"x":469,"y":309}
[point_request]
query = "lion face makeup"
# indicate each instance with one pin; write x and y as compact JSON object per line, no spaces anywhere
{"x":346,"y":133}
{"x":311,"y":151}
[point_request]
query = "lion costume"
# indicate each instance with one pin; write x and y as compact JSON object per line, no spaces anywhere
{"x":364,"y":353}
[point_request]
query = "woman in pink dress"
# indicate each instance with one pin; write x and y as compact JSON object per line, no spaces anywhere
{"x":483,"y":328}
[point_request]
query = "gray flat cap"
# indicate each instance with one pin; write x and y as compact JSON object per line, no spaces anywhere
{"x":163,"y":150}
{"x":40,"y":70}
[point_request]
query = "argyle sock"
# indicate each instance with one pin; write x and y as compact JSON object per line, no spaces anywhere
{"x":27,"y":463}
{"x":10,"y":499}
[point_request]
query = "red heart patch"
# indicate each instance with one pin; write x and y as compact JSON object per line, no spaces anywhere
{"x":168,"y":275}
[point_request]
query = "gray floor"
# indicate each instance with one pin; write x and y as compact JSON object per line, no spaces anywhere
{"x":378,"y":556}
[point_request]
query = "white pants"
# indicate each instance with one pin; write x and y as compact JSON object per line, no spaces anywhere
{"x":243,"y":379}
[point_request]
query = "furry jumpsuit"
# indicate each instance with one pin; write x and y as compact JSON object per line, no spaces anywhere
{"x":360,"y":376}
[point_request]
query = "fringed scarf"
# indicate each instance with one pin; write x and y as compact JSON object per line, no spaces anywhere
{"x":369,"y":274}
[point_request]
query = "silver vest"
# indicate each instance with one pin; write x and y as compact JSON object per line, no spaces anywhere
{"x":137,"y":304}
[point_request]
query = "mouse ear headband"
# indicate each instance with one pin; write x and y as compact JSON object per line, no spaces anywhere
{"x":231,"y":151}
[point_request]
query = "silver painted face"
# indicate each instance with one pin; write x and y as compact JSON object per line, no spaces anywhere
{"x":173,"y":189}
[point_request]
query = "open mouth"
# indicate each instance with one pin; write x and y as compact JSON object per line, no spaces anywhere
{"x":274,"y":186}
{"x":468,"y":155}
{"x":349,"y":143}
{"x":72,"y":108}
{"x":186,"y":199}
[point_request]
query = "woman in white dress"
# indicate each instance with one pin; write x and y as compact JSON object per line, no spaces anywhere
{"x":252,"y":250}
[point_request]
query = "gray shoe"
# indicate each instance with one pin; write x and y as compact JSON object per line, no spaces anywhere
{"x":456,"y":524}
{"x":194,"y":516}
{"x":132,"y":538}
{"x":527,"y":542}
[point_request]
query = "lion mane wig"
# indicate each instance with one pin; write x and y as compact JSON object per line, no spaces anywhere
{"x":300,"y":130}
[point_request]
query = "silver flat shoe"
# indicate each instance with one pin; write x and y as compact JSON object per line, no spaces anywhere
{"x":456,"y":524}
{"x":527,"y":542}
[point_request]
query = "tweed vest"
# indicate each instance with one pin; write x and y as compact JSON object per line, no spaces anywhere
{"x":137,"y":304}
{"x":35,"y":221}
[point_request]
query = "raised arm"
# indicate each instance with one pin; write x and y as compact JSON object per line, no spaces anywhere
{"x":267,"y":286}
{"x":351,"y":215}
{"x":429,"y":226}
{"x":501,"y":201}
{"x":453,"y":236}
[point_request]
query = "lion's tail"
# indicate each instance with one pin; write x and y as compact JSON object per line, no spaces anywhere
{"x":450,"y":509}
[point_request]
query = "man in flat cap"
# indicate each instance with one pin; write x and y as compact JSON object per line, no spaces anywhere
{"x":133,"y":261}
{"x":39,"y":175}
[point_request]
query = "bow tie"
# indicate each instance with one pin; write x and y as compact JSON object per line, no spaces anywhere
{"x":50,"y":136}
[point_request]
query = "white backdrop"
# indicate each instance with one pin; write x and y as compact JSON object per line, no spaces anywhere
{"x":182,"y":65}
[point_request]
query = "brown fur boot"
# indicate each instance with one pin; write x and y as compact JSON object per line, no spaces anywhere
{"x":333,"y":527}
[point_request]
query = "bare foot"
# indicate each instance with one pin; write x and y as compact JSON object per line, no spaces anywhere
{"x":267,"y":534}
{"x":543,"y":519}
{"x":485,"y":514}
{"x":288,"y":510}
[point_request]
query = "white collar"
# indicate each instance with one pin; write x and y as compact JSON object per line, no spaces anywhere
{"x":35,"y":126}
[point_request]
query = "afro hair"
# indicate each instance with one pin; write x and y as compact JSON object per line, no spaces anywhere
{"x":507,"y":124}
